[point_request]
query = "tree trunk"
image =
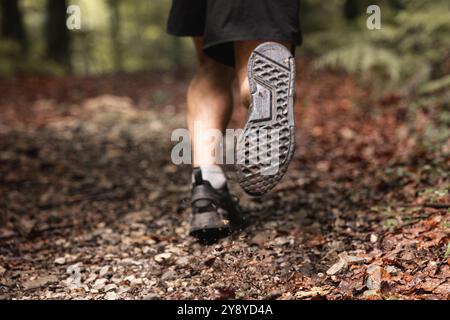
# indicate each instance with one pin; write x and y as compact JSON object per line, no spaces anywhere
{"x":57,"y":34}
{"x":11,"y":23}
{"x":115,"y":23}
{"x":352,"y":9}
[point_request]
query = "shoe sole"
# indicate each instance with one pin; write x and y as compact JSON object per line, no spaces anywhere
{"x":271,"y":76}
{"x":207,"y":228}
{"x":210,"y":235}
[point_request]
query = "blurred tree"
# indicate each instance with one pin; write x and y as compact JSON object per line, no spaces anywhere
{"x":57,"y":34}
{"x":115,"y":23}
{"x":12,"y":23}
{"x":352,"y":9}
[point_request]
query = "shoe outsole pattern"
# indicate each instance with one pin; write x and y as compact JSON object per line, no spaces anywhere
{"x":210,"y":235}
{"x":208,"y":227}
{"x":271,"y":75}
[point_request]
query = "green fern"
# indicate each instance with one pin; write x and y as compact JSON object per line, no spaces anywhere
{"x":362,"y":58}
{"x":411,"y":48}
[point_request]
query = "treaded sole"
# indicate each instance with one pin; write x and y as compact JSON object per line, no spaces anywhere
{"x":267,"y":143}
{"x":210,"y":235}
{"x":208,"y":227}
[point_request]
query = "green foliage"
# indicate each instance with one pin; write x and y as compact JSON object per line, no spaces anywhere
{"x":436,"y":105}
{"x":435,"y":85}
{"x":447,"y":251}
{"x":143,"y":41}
{"x":9,"y":51}
{"x":361,"y":58}
{"x":411,"y":48}
{"x":433,"y":195}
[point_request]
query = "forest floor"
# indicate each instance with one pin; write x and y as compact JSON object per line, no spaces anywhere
{"x":91,"y":206}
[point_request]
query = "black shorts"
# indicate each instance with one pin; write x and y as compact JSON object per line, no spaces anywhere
{"x":221,"y":22}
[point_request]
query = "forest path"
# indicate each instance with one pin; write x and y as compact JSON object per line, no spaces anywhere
{"x":92,"y":207}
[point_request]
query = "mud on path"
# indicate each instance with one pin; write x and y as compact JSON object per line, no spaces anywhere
{"x":92,"y":207}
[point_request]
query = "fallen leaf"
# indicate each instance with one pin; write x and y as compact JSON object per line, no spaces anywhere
{"x":25,"y":226}
{"x":337,"y":267}
{"x":39,"y":282}
{"x":373,"y":280}
{"x":162,"y":257}
{"x":314,"y":292}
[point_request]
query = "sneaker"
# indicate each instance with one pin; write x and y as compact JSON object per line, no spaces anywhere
{"x":215,"y":212}
{"x":266,"y":146}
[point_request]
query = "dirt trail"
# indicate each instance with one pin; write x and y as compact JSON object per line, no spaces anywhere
{"x":92,"y":207}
